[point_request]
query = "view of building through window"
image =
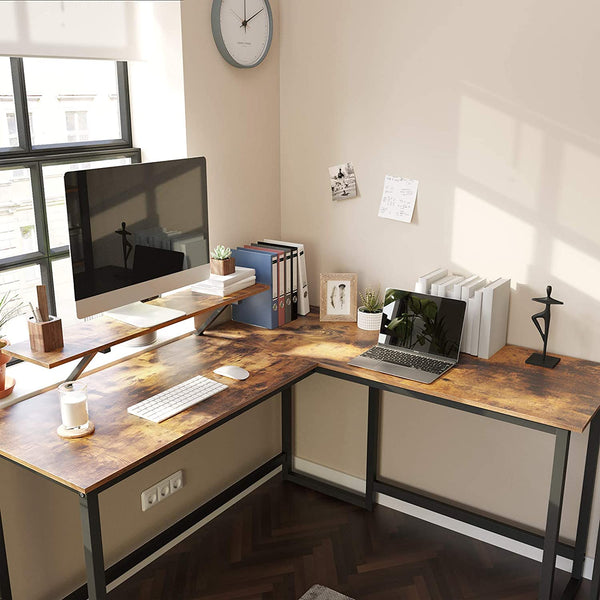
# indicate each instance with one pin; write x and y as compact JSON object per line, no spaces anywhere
{"x":74,"y":111}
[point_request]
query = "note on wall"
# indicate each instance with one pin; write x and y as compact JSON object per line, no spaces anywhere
{"x":399,"y":197}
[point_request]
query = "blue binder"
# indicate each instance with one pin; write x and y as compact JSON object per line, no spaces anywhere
{"x":262,"y":309}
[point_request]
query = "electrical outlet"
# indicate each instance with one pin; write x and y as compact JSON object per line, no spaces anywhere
{"x":176,"y":481}
{"x":161,"y":490}
{"x":149,"y":498}
{"x":164,"y":489}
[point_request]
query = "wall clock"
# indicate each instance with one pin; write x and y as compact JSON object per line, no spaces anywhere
{"x":243,"y":30}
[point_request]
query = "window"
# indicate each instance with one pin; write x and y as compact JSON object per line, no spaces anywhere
{"x":81,"y":113}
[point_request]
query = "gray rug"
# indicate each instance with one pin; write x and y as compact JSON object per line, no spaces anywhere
{"x":320,"y":592}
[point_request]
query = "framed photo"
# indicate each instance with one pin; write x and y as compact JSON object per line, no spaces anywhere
{"x":338,"y":297}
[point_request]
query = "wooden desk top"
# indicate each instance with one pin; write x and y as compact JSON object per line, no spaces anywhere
{"x":566,"y":397}
{"x":102,"y":333}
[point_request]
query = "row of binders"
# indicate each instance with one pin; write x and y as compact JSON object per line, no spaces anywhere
{"x":281,"y":266}
{"x":486,"y":319}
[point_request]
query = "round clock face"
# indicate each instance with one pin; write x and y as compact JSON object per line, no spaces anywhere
{"x":242,"y":30}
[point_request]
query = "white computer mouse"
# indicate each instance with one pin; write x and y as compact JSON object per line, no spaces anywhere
{"x":232,"y":371}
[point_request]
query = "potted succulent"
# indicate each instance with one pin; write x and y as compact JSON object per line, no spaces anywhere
{"x":370,"y":313}
{"x":10,"y":307}
{"x":221,"y":261}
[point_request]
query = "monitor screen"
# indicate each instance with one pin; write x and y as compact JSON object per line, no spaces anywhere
{"x":422,"y":323}
{"x":136,"y":231}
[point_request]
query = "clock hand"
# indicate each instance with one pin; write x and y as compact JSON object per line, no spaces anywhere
{"x":252,"y":17}
{"x":244,"y":22}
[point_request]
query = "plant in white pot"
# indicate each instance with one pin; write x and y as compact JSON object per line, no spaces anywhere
{"x":370,"y":313}
{"x":221,"y":261}
{"x":10,"y":307}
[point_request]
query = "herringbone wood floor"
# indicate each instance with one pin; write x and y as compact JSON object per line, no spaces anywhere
{"x":282,"y":539}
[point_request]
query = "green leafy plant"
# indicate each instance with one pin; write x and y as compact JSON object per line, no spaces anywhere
{"x":221,"y":253}
{"x":11,"y":306}
{"x":371,"y":300}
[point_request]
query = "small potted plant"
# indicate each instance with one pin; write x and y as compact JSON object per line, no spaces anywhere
{"x":370,"y":313}
{"x":221,"y":261}
{"x":10,"y":307}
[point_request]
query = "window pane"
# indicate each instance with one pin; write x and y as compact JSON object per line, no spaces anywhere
{"x":8,"y":136}
{"x":63,"y":289}
{"x":54,"y":190}
{"x":17,"y":222}
{"x":21,"y":281}
{"x":72,"y":100}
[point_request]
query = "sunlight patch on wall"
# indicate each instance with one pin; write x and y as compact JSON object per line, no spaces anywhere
{"x":578,"y":198}
{"x":488,"y":241}
{"x":499,"y":152}
{"x":577,"y":268}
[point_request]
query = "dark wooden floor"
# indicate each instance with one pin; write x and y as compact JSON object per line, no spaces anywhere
{"x":282,"y":539}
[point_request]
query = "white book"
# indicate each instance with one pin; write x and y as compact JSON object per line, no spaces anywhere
{"x":303,"y":300}
{"x":203,"y":287}
{"x":456,"y":290}
{"x":494,"y":317}
{"x":436,"y":284}
{"x":423,"y":285}
{"x":222,"y":281}
{"x":473,"y":323}
{"x":468,"y":289}
{"x":444,"y":289}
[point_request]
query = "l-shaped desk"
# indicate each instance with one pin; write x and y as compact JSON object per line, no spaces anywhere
{"x":558,"y":402}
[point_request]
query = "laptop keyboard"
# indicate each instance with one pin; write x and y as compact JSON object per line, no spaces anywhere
{"x":404,"y":359}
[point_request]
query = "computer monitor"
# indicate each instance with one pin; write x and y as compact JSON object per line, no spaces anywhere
{"x":136,"y":231}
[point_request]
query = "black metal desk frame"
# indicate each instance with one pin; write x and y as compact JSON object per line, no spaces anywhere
{"x":548,"y":542}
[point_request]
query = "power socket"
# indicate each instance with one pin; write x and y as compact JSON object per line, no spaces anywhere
{"x":161,"y":490}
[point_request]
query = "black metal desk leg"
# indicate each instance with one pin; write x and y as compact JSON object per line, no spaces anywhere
{"x":587,"y":494}
{"x":5,"y":593}
{"x":557,"y":486}
{"x":92,"y":546}
{"x":372,"y":445}
{"x":286,"y":430}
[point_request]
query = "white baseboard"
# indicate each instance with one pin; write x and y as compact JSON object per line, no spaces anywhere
{"x":358,"y":485}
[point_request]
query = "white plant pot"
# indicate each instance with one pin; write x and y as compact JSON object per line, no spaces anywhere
{"x":369,"y":321}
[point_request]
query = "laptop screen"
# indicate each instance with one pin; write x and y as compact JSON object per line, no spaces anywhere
{"x":421,"y":322}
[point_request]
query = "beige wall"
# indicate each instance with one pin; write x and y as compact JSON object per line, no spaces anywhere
{"x":493,"y":108}
{"x":233,"y":119}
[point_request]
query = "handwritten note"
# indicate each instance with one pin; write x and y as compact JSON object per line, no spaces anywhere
{"x":399,"y":197}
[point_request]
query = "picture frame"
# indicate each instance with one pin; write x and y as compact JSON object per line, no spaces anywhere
{"x":338,"y":297}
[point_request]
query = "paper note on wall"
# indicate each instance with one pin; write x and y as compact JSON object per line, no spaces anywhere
{"x":399,"y":197}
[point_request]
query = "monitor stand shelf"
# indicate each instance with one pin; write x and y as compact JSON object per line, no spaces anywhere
{"x":84,"y":340}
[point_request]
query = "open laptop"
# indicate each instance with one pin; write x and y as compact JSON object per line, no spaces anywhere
{"x":419,"y":337}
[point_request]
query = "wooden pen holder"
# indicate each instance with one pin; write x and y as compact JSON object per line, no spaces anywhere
{"x":45,"y":336}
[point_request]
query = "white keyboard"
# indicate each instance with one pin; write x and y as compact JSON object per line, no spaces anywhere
{"x":174,"y":400}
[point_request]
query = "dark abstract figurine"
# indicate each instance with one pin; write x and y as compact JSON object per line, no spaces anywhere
{"x":127,"y":246}
{"x":541,"y":360}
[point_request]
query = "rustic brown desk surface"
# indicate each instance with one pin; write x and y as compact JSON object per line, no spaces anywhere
{"x":566,"y":397}
{"x":101,"y":333}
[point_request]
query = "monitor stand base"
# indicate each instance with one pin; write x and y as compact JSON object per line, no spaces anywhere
{"x":140,"y":314}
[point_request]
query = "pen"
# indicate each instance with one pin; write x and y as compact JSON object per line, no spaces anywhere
{"x":33,"y":313}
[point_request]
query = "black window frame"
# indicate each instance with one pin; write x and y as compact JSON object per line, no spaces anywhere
{"x":27,"y":156}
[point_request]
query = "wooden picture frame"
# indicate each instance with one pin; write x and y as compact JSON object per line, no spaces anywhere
{"x":338,"y":297}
